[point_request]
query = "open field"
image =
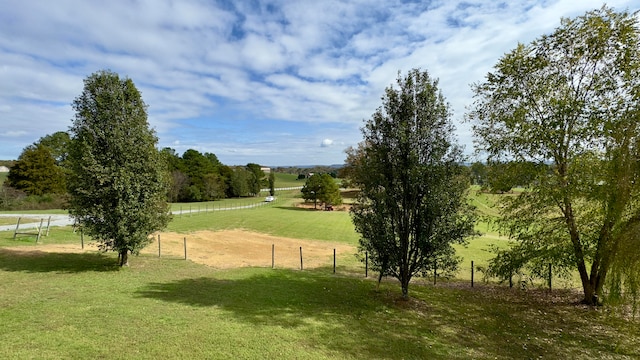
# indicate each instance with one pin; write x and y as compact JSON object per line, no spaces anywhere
{"x":58,"y":300}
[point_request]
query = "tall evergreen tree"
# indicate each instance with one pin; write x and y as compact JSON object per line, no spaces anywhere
{"x":36,"y":172}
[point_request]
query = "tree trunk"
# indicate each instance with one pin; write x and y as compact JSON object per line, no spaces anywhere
{"x":587,"y":287}
{"x":124,"y":257}
{"x":405,"y":288}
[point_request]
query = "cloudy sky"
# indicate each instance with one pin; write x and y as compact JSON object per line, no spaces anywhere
{"x":270,"y":82}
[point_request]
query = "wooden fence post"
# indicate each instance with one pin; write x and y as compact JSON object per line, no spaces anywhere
{"x":334,"y":261}
{"x":273,"y":255}
{"x":39,"y":231}
{"x":185,"y":248}
{"x":159,"y":247}
{"x":301,"y":267}
{"x":48,"y":224}
{"x":471,"y":273}
{"x":15,"y":233}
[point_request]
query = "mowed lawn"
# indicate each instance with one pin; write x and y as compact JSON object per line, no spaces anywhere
{"x":81,"y":305}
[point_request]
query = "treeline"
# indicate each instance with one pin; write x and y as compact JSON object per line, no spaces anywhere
{"x":202,"y":177}
{"x":303,"y":172}
{"x":37,"y":179}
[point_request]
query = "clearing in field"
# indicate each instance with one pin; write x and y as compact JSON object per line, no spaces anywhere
{"x":229,"y":249}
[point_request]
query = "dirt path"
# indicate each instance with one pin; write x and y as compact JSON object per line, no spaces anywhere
{"x":230,"y":249}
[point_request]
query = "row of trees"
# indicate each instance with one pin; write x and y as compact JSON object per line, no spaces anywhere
{"x":42,"y":170}
{"x":202,"y":177}
{"x":560,"y":115}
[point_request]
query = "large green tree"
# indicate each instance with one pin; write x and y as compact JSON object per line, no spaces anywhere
{"x":257,"y":178}
{"x":323,"y":188}
{"x":36,"y":172}
{"x":571,"y":100}
{"x":118,"y":178}
{"x":412,"y":204}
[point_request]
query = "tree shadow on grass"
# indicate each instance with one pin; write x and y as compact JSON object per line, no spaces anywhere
{"x":35,"y":261}
{"x":346,"y":317}
{"x":338,"y":315}
{"x":296,"y":208}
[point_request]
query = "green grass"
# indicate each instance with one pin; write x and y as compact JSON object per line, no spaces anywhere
{"x":287,"y":180}
{"x":62,"y":305}
{"x":55,"y":306}
{"x":280,"y":218}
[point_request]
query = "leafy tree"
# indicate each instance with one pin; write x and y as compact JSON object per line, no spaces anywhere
{"x":570,"y":99}
{"x":255,"y":181}
{"x":173,"y":160}
{"x":478,"y":173}
{"x":321,"y":187}
{"x":412,"y":204}
{"x":348,"y":172}
{"x":58,"y":144}
{"x":272,"y":183}
{"x":214,"y":187}
{"x":36,"y":172}
{"x":239,"y":182}
{"x":197,"y":166}
{"x":118,"y":179}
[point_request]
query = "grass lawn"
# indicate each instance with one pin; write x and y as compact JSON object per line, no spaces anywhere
{"x":81,"y":305}
{"x":55,"y":306}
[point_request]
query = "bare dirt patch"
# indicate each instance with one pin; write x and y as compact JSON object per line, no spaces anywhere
{"x":227,"y":249}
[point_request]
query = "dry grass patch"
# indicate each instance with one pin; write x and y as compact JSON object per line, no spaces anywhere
{"x":226,"y":249}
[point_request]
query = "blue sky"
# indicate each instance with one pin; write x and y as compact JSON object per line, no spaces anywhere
{"x":269,"y":82}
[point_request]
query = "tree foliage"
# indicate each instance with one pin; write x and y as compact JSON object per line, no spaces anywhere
{"x":571,"y":100}
{"x":58,"y":145}
{"x":322,"y":188}
{"x":412,"y":204}
{"x":202,"y":177}
{"x":36,"y":172}
{"x":118,"y":179}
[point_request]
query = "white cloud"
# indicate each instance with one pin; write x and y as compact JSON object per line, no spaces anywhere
{"x":214,"y":77}
{"x":326,"y":143}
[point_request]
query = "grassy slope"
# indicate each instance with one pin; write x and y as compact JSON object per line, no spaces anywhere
{"x":81,"y":306}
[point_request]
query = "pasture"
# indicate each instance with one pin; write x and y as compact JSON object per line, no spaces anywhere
{"x":60,"y":301}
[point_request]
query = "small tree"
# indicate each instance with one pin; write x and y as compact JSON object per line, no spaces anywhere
{"x":412,"y":204}
{"x":118,"y":178}
{"x":272,"y":183}
{"x":321,"y":187}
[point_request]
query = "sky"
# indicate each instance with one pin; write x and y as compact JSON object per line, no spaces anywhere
{"x":278,"y":83}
